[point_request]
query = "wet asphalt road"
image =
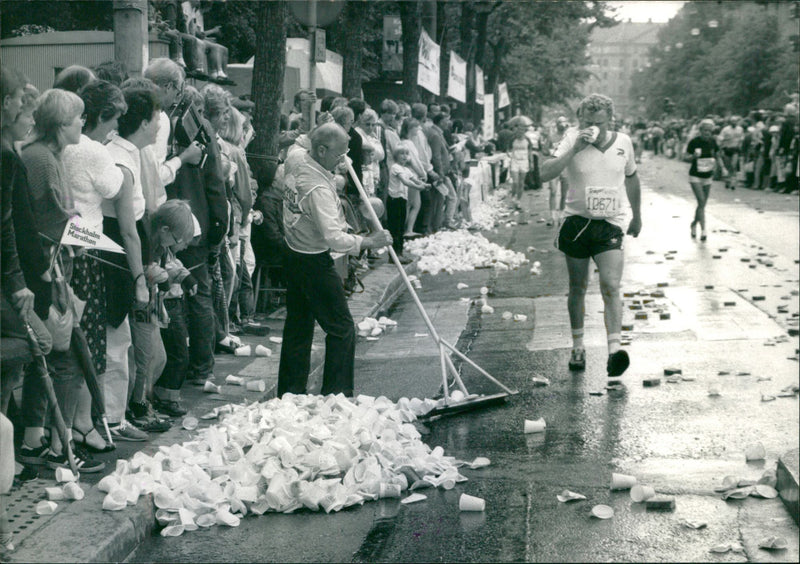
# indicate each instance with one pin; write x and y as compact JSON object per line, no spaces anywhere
{"x":674,"y":437}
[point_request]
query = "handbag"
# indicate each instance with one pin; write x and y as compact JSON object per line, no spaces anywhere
{"x":532,"y":178}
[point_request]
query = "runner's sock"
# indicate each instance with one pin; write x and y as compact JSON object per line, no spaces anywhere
{"x":613,"y":343}
{"x":577,"y":338}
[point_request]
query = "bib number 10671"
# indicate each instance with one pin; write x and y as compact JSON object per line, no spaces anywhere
{"x":602,"y":201}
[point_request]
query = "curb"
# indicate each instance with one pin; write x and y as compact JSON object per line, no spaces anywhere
{"x":788,"y":470}
{"x":111,"y":536}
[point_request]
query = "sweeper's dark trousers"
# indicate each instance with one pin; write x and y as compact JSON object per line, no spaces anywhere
{"x":315,"y":292}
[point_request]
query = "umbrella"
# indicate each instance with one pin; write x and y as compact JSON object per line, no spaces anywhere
{"x":41,"y":365}
{"x":520,"y":120}
{"x":80,"y":347}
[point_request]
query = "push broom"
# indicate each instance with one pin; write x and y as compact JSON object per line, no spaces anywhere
{"x":446,"y":365}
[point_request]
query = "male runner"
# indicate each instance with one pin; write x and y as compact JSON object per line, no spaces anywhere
{"x":601,"y":172}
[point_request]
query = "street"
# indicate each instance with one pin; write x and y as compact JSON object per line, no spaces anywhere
{"x":675,"y":437}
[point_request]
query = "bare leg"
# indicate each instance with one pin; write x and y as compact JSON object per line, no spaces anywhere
{"x":578,"y":270}
{"x":610,"y":265}
{"x":701,"y":194}
{"x":414,"y":203}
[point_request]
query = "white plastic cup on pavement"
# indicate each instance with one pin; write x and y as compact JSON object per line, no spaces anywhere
{"x":55,"y":493}
{"x":261,"y":350}
{"x":45,"y":507}
{"x":471,"y":503}
{"x":622,"y":481}
{"x":642,"y":493}
{"x":256,"y":386}
{"x":245,"y":350}
{"x":189,"y":423}
{"x":211,"y":388}
{"x":389,"y":490}
{"x":537,"y":426}
{"x":73,"y":491}
{"x":65,"y":475}
{"x":234,"y":380}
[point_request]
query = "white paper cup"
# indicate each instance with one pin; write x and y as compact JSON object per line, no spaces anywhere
{"x":595,"y":133}
{"x":261,"y":350}
{"x":537,"y":426}
{"x":211,"y":387}
{"x":622,"y":481}
{"x":55,"y":494}
{"x":389,"y":490}
{"x":642,"y":493}
{"x":256,"y":386}
{"x":190,"y":423}
{"x":246,"y":350}
{"x":471,"y":503}
{"x":234,"y":380}
{"x":45,"y":507}
{"x":65,"y":475}
{"x":73,"y":491}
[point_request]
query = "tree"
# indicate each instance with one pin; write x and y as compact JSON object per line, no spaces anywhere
{"x":67,"y":15}
{"x":354,"y":20}
{"x":411,"y":19}
{"x":268,"y":70}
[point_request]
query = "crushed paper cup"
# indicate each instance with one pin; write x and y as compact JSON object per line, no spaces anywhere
{"x":764,"y":491}
{"x":206,"y":520}
{"x":602,"y":512}
{"x":457,"y":396}
{"x":107,"y":483}
{"x":45,"y":507}
{"x":694,"y":524}
{"x":769,"y":477}
{"x":276,"y":340}
{"x":486,"y":308}
{"x":234,"y":380}
{"x":507,"y":315}
{"x":479,"y":462}
{"x":755,"y":452}
{"x":73,"y":491}
{"x":641,"y":493}
{"x":115,"y":500}
{"x":567,"y":495}
{"x":536,"y":426}
{"x":65,"y":475}
{"x":225,"y":517}
{"x":55,"y":493}
{"x":413,"y":498}
{"x":389,"y":490}
{"x":189,"y":423}
{"x":245,"y":350}
{"x":484,"y":290}
{"x":462,"y":286}
{"x":471,"y":503}
{"x":520,"y":317}
{"x":172,"y":531}
{"x":723,"y":548}
{"x":622,"y":481}
{"x":256,"y":386}
{"x":261,"y":350}
{"x":773,"y":543}
{"x":211,"y":388}
{"x":539,"y":381}
{"x":738,"y":493}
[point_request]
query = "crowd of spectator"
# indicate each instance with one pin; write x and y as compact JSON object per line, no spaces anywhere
{"x":163,"y":170}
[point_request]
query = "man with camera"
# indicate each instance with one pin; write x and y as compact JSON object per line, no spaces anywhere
{"x":200,"y":181}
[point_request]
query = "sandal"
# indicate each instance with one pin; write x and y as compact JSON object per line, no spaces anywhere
{"x":80,"y":438}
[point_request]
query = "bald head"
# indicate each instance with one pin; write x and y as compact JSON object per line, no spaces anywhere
{"x":329,"y":144}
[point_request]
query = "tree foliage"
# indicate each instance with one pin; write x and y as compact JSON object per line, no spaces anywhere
{"x":67,"y":15}
{"x":743,"y":61}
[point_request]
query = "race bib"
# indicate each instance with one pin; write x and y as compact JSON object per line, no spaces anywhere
{"x":706,"y":164}
{"x":602,"y":201}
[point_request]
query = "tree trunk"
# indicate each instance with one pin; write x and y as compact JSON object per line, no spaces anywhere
{"x":355,"y":15}
{"x":482,"y":29}
{"x":268,"y":71}
{"x":411,"y":18}
{"x":444,"y":50}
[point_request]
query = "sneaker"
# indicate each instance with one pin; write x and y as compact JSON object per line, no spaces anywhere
{"x":577,"y":359}
{"x":125,"y":431}
{"x":146,"y":419}
{"x":618,"y":363}
{"x":253,"y":328}
{"x":36,"y":456}
{"x":169,"y":407}
{"x":83,"y":461}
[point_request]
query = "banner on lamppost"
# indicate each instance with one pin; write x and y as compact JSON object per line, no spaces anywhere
{"x":478,"y":85}
{"x":392,"y":44}
{"x":488,"y":116}
{"x":502,"y":95}
{"x":428,"y":70}
{"x":457,"y":79}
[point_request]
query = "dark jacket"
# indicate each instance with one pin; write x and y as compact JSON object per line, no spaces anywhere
{"x":356,"y":154}
{"x":10,"y":269}
{"x":440,"y":156}
{"x":204,"y":189}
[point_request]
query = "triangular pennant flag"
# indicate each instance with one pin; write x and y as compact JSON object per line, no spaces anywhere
{"x":80,"y":235}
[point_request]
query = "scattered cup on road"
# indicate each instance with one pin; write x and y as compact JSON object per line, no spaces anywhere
{"x":642,"y":493}
{"x":622,"y":481}
{"x":471,"y":503}
{"x":537,"y":426}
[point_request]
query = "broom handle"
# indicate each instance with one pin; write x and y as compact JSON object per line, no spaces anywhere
{"x":377,"y":225}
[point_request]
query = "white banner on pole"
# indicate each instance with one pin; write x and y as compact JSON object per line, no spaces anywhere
{"x":428,"y":73}
{"x":457,"y":79}
{"x":488,"y":116}
{"x":502,"y":95}
{"x":479,"y":93}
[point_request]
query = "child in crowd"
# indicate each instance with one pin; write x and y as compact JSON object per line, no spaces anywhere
{"x":173,"y":228}
{"x":401,"y":178}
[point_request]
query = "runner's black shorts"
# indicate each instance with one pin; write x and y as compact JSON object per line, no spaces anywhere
{"x":730,"y":151}
{"x":581,"y":237}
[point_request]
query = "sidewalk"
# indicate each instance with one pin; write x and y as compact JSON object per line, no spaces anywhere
{"x":80,"y":531}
